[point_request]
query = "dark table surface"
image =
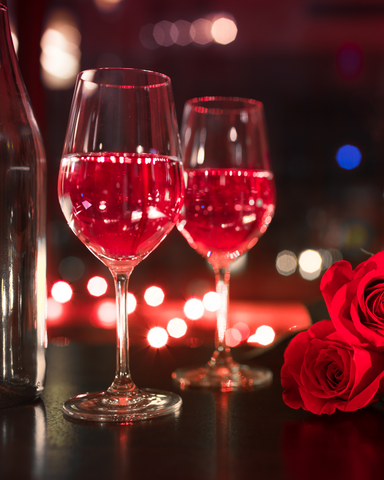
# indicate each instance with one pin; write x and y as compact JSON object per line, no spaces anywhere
{"x":237,"y":435}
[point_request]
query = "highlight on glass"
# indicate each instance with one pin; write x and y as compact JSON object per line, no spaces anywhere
{"x":121,"y":189}
{"x":229,"y":204}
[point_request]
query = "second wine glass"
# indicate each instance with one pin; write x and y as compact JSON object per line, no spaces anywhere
{"x":229,"y":203}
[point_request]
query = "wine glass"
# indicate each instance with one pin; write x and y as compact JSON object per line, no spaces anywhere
{"x":229,"y":203}
{"x":121,"y":189}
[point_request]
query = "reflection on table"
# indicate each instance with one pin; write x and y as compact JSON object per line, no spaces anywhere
{"x":235,"y":435}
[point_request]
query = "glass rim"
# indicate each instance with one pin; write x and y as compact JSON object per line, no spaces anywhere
{"x":202,"y":105}
{"x":87,"y":76}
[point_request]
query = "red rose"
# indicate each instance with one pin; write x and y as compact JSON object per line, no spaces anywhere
{"x":323,"y":373}
{"x":355,"y":300}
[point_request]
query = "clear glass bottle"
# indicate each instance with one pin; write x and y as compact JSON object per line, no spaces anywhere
{"x":22,"y":234}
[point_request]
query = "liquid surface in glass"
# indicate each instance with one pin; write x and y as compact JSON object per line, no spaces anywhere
{"x":226,"y":210}
{"x":120,"y":205}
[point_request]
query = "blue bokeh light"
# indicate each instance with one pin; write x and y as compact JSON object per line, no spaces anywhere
{"x":348,"y":157}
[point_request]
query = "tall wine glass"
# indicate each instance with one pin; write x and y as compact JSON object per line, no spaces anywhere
{"x":121,"y":190}
{"x":229,"y":203}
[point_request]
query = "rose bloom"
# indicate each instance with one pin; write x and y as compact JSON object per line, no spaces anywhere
{"x":323,"y":373}
{"x":355,"y":300}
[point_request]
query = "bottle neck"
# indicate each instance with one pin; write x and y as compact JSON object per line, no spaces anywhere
{"x":6,"y":42}
{"x":9,"y":67}
{"x":13,"y":95}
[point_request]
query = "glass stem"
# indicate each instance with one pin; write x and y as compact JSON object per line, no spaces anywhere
{"x":123,"y":381}
{"x":222,"y":288}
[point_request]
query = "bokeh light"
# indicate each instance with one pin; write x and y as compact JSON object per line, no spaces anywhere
{"x":106,"y":314}
{"x":348,"y":157}
{"x":211,"y":301}
{"x":216,"y":28}
{"x":177,"y":327}
{"x":232,"y":337}
{"x":157,"y":337}
{"x":54,"y":309}
{"x":286,"y":262}
{"x":71,"y":269}
{"x":224,"y":30}
{"x":97,"y":286}
{"x":264,"y":335}
{"x":60,"y":50}
{"x":154,"y":296}
{"x":61,"y":292}
{"x":244,"y":330}
{"x":162,"y":33}
{"x":131,"y":303}
{"x":180,"y":31}
{"x":201,"y":31}
{"x":310,"y":261}
{"x":194,"y":308}
{"x":107,"y":5}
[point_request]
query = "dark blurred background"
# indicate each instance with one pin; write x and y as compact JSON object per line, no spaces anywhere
{"x":318,"y":67}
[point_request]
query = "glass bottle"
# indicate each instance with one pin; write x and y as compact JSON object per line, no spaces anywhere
{"x":22,"y":234}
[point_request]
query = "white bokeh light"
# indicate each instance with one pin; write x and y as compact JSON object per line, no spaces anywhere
{"x":264,"y":335}
{"x":194,"y":308}
{"x":211,"y":301}
{"x":224,"y":30}
{"x":154,"y":296}
{"x":310,"y":263}
{"x":131,"y":303}
{"x":157,"y":337}
{"x":61,"y":292}
{"x":177,"y":327}
{"x":97,"y":286}
{"x":60,"y":50}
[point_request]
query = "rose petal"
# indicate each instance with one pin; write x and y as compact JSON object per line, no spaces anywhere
{"x":318,"y":405}
{"x":291,"y":394}
{"x":341,"y":315}
{"x":334,"y":278}
{"x":366,"y":323}
{"x":340,"y":358}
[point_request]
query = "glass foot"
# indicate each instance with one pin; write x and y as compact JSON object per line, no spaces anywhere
{"x":224,"y":374}
{"x":143,"y":404}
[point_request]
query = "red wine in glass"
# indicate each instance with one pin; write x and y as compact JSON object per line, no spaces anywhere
{"x":226,"y":211}
{"x":115,"y":218}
